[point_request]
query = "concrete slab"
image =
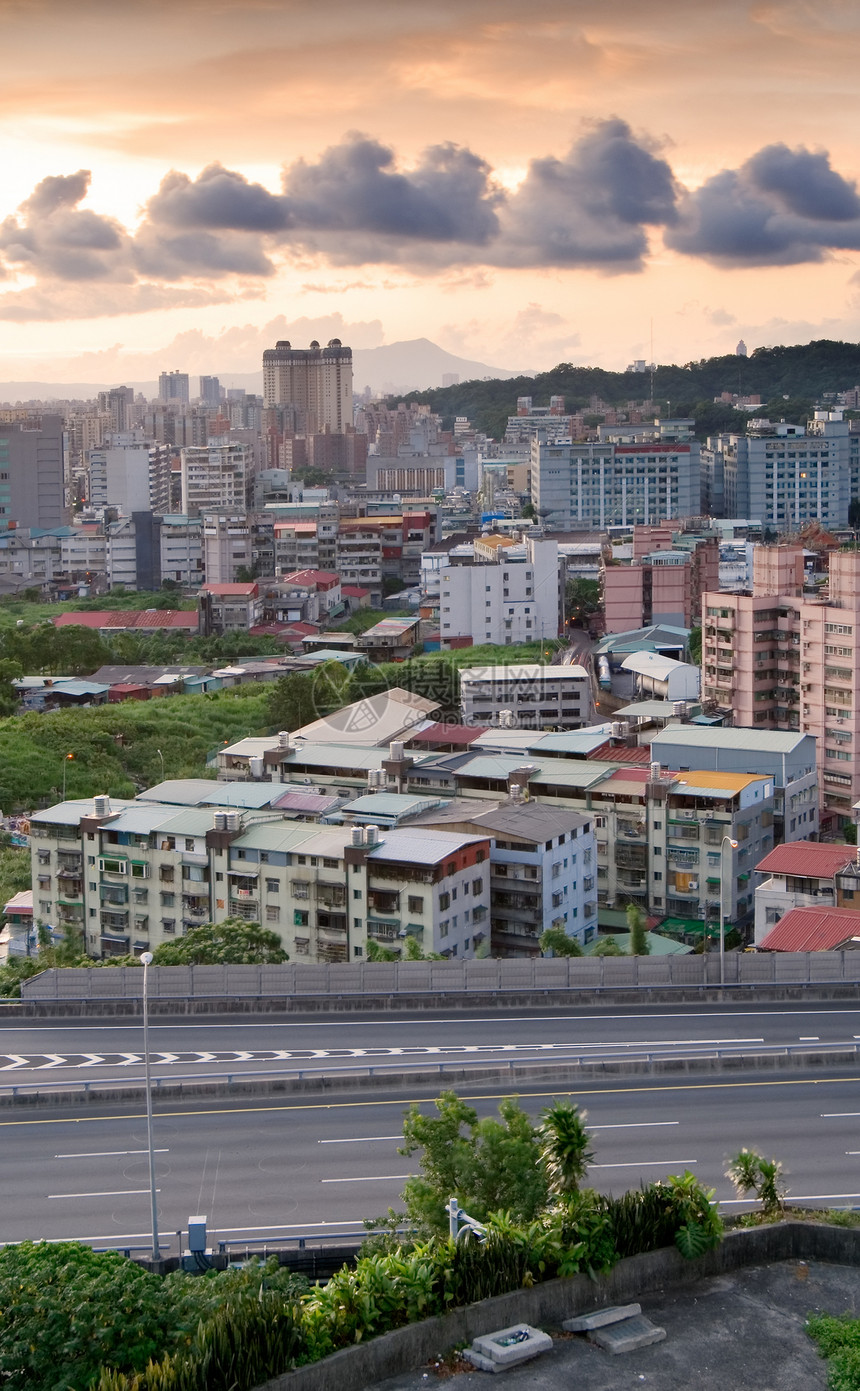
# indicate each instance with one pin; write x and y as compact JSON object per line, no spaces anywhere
{"x":483,"y":1364}
{"x":583,"y":1323}
{"x":628,"y":1336}
{"x":513,"y":1345}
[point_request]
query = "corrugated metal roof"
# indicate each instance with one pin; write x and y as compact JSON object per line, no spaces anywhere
{"x":622,"y":753}
{"x":757,"y":740}
{"x":424,"y":846}
{"x":807,"y":858}
{"x":813,"y":929}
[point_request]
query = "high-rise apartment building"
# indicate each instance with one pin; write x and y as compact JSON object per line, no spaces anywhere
{"x":780,"y":660}
{"x":32,"y":473}
{"x":496,"y":590}
{"x":783,"y":475}
{"x":132,"y":475}
{"x":312,"y":386}
{"x":663,"y":585}
{"x":210,"y":391}
{"x":173,"y":386}
{"x":117,"y":403}
{"x":213,"y":478}
{"x":603,"y":483}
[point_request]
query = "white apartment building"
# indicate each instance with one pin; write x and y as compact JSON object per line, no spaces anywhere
{"x":526,"y":696}
{"x":130,"y":474}
{"x":603,"y":483}
{"x":500,"y":591}
{"x":227,"y":546}
{"x":213,"y":478}
{"x":181,"y":549}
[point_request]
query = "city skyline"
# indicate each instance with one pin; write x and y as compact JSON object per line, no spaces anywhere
{"x":520,"y":189}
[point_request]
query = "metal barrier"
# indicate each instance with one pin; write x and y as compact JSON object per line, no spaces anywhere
{"x":641,"y":1055}
{"x":538,"y":975}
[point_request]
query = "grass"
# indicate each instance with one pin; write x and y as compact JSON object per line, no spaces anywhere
{"x":36,"y":611}
{"x":838,"y":1340}
{"x":117,"y":748}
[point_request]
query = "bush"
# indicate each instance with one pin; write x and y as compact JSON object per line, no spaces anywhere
{"x":838,"y":1340}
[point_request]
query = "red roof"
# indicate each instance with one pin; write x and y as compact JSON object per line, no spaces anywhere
{"x":128,"y":618}
{"x":354,"y":591}
{"x":807,"y":858}
{"x":230,"y":591}
{"x":441,"y":733}
{"x":621,"y":753}
{"x":629,"y":775}
{"x":813,"y":929}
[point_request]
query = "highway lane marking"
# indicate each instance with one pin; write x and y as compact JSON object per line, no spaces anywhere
{"x":107,"y":1193}
{"x":643,"y":1163}
{"x":374,"y":1178}
{"x":692,"y":1013}
{"x":582,"y":1091}
{"x":794,"y":1197}
{"x":813,"y":1038}
{"x":366,"y":1139}
{"x":106,"y":1154}
{"x":628,"y":1125}
{"x":829,"y":1115}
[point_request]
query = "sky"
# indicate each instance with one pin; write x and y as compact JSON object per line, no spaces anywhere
{"x":574,"y":180}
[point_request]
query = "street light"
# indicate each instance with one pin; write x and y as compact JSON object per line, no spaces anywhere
{"x":146,"y":959}
{"x":734,"y":845}
{"x":161,"y":756}
{"x":68,"y":758}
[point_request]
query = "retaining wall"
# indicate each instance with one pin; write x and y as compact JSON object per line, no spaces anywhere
{"x":409,"y":1348}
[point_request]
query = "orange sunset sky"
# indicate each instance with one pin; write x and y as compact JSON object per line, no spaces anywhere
{"x":523,"y":184}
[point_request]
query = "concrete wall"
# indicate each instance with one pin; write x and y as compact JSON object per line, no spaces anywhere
{"x":406,"y":1349}
{"x":443,"y":978}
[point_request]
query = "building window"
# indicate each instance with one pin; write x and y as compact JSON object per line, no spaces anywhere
{"x":300,"y":917}
{"x":272,"y":886}
{"x":273,"y":913}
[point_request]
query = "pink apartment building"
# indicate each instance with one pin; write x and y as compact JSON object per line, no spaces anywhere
{"x":779,"y":660}
{"x":663,"y":584}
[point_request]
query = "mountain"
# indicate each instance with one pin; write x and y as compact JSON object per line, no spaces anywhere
{"x":414,"y":365}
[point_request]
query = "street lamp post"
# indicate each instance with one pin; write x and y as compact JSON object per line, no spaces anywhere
{"x":67,"y":759}
{"x":727,"y":840}
{"x":146,"y":958}
{"x":161,"y":756}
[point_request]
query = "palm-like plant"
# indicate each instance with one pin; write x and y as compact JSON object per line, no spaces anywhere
{"x":565,"y":1146}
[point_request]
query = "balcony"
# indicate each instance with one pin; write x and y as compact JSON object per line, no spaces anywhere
{"x":632,"y":856}
{"x":632,"y":830}
{"x":247,"y":911}
{"x":681,"y":857}
{"x":384,"y":901}
{"x":66,"y":863}
{"x":114,"y":922}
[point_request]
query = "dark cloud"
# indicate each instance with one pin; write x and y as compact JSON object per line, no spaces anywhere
{"x":52,"y":238}
{"x":782,"y":207}
{"x":590,"y":208}
{"x":354,"y":187}
{"x":162,"y":255}
{"x":218,"y":199}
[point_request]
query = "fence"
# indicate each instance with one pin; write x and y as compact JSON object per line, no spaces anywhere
{"x":487,"y":977}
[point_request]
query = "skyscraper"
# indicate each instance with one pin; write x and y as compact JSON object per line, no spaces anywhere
{"x":173,"y":386}
{"x":314,"y":384}
{"x":210,"y":391}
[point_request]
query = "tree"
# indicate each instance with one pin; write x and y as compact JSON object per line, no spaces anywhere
{"x":695,"y":645}
{"x":581,"y":600}
{"x":854,"y":514}
{"x":292,"y":703}
{"x":638,"y":925}
{"x":486,"y":1165}
{"x":565,"y":1148}
{"x":229,"y":943}
{"x":65,"y":1311}
{"x":606,"y":946}
{"x":556,"y":941}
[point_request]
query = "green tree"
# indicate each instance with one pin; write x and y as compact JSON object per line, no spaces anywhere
{"x":638,"y":925}
{"x":9,"y":671}
{"x":581,"y":600}
{"x":65,"y":1311}
{"x":557,"y":941}
{"x":292,"y":702}
{"x":696,"y":645}
{"x":565,"y":1148}
{"x":606,"y":946}
{"x":230,"y":943}
{"x":487,"y":1164}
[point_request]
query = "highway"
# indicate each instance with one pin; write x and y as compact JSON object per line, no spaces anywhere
{"x":48,"y":1053}
{"x":281,"y":1168}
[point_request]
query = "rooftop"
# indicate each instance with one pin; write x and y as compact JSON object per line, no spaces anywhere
{"x":125,"y":618}
{"x":807,"y":859}
{"x":813,"y":929}
{"x":230,"y":591}
{"x":756,"y":740}
{"x":523,"y":671}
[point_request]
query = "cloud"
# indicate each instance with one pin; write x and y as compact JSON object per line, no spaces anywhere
{"x":590,"y":208}
{"x":782,"y":207}
{"x":51,"y":237}
{"x":56,"y":301}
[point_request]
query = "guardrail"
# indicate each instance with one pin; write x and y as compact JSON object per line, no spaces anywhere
{"x":312,"y":982}
{"x":641,"y":1055}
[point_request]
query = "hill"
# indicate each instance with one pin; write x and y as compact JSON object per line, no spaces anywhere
{"x":802,"y":374}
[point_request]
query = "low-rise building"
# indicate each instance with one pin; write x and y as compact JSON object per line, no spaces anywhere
{"x":805,"y":874}
{"x":814,"y":929}
{"x":526,"y":696}
{"x":227,"y":608}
